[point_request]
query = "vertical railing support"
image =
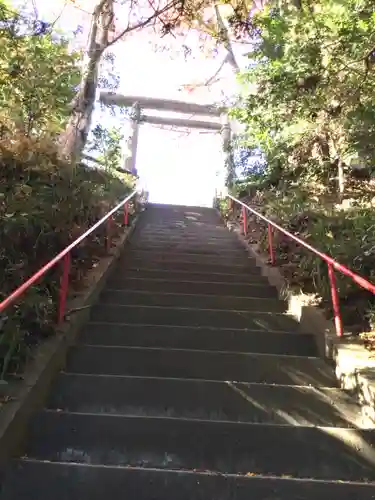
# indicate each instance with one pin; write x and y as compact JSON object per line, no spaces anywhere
{"x":126,"y":214}
{"x":244,"y":220}
{"x":64,"y":285}
{"x":270,"y":245}
{"x":230,"y":207}
{"x":335,"y":301}
{"x":108,"y":239}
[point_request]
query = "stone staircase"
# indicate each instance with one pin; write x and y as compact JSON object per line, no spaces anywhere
{"x":190,"y":383}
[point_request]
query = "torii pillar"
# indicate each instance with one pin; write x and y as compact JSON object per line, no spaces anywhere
{"x":218,"y":122}
{"x":131,"y":145}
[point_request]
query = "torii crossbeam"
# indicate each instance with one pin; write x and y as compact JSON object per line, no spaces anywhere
{"x":218,"y":121}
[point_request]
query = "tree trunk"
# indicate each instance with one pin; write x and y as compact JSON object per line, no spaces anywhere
{"x":225,"y":38}
{"x":341,"y":177}
{"x":340,"y":167}
{"x":73,"y":140}
{"x":226,"y":132}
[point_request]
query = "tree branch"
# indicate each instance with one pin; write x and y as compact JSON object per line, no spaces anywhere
{"x":143,"y":24}
{"x":224,"y":34}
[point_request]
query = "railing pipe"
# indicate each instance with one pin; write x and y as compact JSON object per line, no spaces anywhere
{"x":362,"y":282}
{"x":244,"y":220}
{"x":64,"y":286}
{"x":270,"y":245}
{"x":16,"y":294}
{"x":335,"y":301}
{"x":108,"y":239}
{"x":126,"y":214}
{"x":332,"y":264}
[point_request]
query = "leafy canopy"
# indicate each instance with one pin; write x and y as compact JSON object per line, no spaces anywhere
{"x":38,"y":75}
{"x":307,"y":97}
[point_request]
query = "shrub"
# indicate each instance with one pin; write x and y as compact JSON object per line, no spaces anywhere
{"x":43,"y":208}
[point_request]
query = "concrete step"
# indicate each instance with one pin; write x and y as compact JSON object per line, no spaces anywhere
{"x":180,"y":221}
{"x":165,"y":212}
{"x":166,"y":443}
{"x":240,"y":260}
{"x":35,"y":480}
{"x":181,"y":224}
{"x":181,"y":243}
{"x":193,"y":364}
{"x":133,"y":262}
{"x":213,"y":339}
{"x":189,"y":215}
{"x":184,"y":316}
{"x":120,"y":274}
{"x":190,"y":229}
{"x":228,"y":251}
{"x":221,"y":302}
{"x":200,"y":237}
{"x":183,"y":227}
{"x":199,"y":399}
{"x":194,"y":287}
{"x":194,"y":252}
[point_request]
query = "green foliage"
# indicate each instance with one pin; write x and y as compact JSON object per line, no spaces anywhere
{"x":344,"y":231}
{"x":307,"y":98}
{"x":42,"y":210}
{"x":38,"y":76}
{"x":107,"y":144}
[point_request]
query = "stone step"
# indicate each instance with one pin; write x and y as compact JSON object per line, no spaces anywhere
{"x":191,"y":252}
{"x":241,"y":261}
{"x":180,"y":224}
{"x":193,"y":287}
{"x":193,"y":364}
{"x":184,"y":316}
{"x":183,"y":225}
{"x":161,"y":216}
{"x":220,"y":302}
{"x":133,"y":262}
{"x":199,"y":399}
{"x":186,"y":227}
{"x":121,"y":274}
{"x":213,"y":339}
{"x":164,"y":212}
{"x":167,"y":443}
{"x":35,"y":480}
{"x":181,"y":243}
{"x":201,"y":236}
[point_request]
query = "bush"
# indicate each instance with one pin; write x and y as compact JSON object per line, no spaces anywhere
{"x":44,"y":206}
{"x":344,"y":231}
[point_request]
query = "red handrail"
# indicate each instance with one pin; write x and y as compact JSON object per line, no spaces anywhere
{"x":65,"y":254}
{"x":332,"y":263}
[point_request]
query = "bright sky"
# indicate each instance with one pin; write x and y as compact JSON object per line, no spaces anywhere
{"x":174,"y":167}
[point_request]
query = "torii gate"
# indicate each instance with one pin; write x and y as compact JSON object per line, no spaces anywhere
{"x":218,"y":120}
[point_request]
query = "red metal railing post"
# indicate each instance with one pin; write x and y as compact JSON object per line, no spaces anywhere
{"x":231,"y":206}
{"x":18,"y":292}
{"x":244,"y":220}
{"x":108,"y":239}
{"x":126,"y":214}
{"x":335,"y":301}
{"x":64,"y":285}
{"x":270,"y":245}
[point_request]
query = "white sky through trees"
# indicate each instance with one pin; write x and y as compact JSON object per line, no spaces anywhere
{"x":174,"y":167}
